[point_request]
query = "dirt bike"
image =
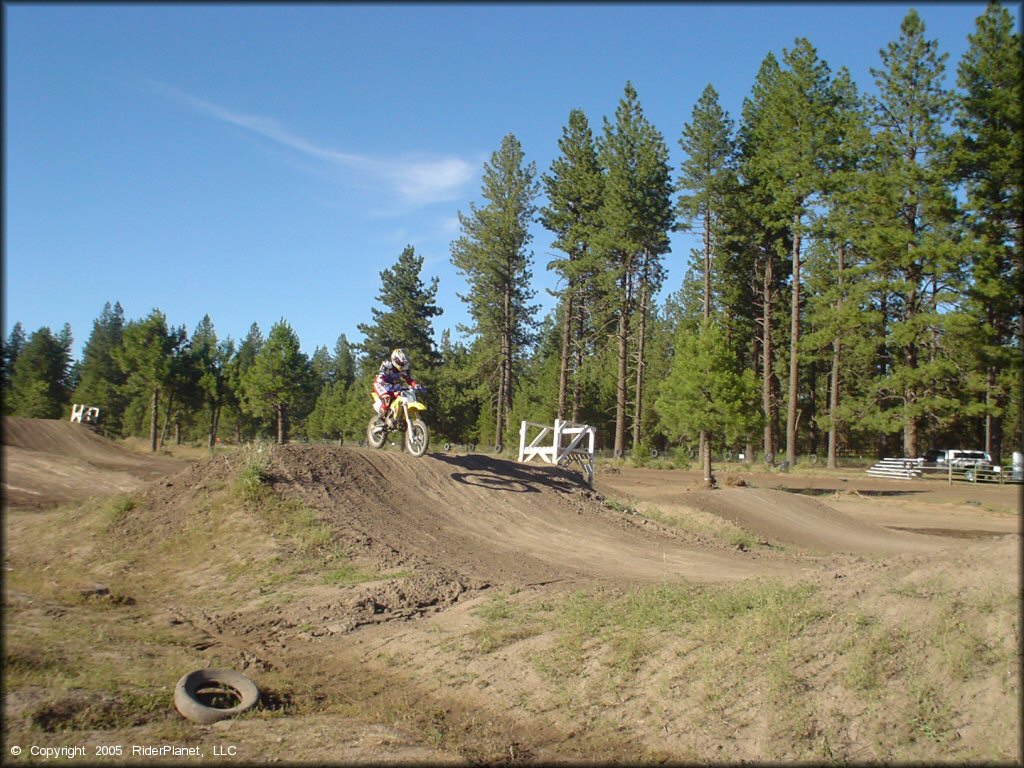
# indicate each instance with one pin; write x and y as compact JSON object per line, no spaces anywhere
{"x":403,"y":416}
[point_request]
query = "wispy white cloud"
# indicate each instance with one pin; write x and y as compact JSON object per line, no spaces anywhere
{"x":417,"y":181}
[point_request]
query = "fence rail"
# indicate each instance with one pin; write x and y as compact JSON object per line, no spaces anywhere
{"x":580,"y":448}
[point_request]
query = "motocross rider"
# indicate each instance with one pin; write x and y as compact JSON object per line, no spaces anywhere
{"x":392,"y":377}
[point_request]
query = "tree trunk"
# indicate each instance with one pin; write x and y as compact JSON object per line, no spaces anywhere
{"x":563,"y":372}
{"x":709,"y":478}
{"x":704,"y":446}
{"x":282,"y":426}
{"x":767,"y":363}
{"x":794,"y":363}
{"x":910,"y":401}
{"x":167,"y":417}
{"x":639,"y":388}
{"x":833,"y":394}
{"x":577,"y":391}
{"x":707,"y":264}
{"x":993,"y":421}
{"x":214,"y":419}
{"x":154,"y":417}
{"x":623,"y":351}
{"x":505,"y":373}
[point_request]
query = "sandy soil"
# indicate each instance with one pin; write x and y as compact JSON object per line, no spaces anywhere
{"x":458,"y":528}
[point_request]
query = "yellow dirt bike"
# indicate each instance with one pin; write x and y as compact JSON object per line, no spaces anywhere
{"x":403,"y":416}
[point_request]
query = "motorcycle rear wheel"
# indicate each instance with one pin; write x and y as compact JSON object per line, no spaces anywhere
{"x":376,"y":432}
{"x":417,"y":438}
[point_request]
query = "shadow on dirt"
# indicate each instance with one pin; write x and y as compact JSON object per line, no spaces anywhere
{"x":832,"y":491}
{"x":955,"y":533}
{"x":504,"y":475}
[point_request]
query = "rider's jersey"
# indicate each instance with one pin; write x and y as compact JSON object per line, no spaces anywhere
{"x":390,"y":378}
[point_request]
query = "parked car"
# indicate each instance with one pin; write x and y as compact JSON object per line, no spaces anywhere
{"x":956,"y":457}
{"x":962,"y":459}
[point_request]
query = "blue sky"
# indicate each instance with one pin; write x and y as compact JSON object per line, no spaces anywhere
{"x":259,"y":162}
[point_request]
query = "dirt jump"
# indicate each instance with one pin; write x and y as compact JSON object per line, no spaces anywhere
{"x":48,"y":462}
{"x":447,"y":532}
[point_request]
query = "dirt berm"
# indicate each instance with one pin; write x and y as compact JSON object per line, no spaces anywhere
{"x":47,"y":462}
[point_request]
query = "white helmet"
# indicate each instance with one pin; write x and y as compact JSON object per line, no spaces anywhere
{"x":399,"y":359}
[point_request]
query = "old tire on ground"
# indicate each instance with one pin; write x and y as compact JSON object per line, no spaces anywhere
{"x":212,"y":684}
{"x":417,"y":438}
{"x":376,"y":432}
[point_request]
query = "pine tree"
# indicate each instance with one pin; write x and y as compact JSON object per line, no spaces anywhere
{"x":278,"y":379}
{"x":794,"y":140}
{"x":12,"y":348}
{"x":40,"y":383}
{"x":101,"y":381}
{"x":406,"y":323}
{"x":573,"y":188}
{"x":758,"y":241}
{"x":990,"y":159}
{"x":492,"y":255}
{"x":913,"y":209}
{"x":211,"y":359}
{"x":146,"y":357}
{"x":706,"y":179}
{"x":635,"y":217}
{"x":706,"y":392}
{"x":839,"y":324}
{"x":246,"y":426}
{"x":344,"y":362}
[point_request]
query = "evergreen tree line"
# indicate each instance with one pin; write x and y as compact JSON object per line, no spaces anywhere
{"x":858,"y":286}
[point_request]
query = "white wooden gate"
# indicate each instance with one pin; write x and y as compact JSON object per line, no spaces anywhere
{"x":569,"y":443}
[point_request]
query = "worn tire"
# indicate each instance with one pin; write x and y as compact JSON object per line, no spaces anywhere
{"x":376,"y":432}
{"x":417,"y":438}
{"x":186,"y":692}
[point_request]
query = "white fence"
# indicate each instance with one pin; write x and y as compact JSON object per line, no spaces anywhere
{"x":578,"y":449}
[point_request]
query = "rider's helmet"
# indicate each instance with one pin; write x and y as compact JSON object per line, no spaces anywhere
{"x":399,"y":359}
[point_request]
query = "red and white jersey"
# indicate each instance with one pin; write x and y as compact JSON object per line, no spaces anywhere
{"x":389,"y":379}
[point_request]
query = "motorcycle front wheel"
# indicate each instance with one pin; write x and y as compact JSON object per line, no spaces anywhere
{"x":417,"y":438}
{"x":376,"y":432}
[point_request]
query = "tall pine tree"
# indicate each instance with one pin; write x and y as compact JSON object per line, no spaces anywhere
{"x":990,"y":160}
{"x":492,"y":254}
{"x":573,"y":188}
{"x":635,"y":217}
{"x":405,"y":322}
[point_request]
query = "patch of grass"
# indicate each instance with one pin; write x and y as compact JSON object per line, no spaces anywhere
{"x":704,"y":524}
{"x":115,"y":509}
{"x":299,"y":526}
{"x":346,"y":574}
{"x":504,"y":623}
{"x":100,"y":711}
{"x":618,"y":506}
{"x":251,"y":485}
{"x":873,"y":652}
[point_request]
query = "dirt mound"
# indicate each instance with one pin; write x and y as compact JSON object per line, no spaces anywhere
{"x":48,"y":462}
{"x":806,"y":522}
{"x":496,"y":521}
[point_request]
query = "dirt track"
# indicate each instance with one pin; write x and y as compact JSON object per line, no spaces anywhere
{"x":458,"y":528}
{"x":493,"y":521}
